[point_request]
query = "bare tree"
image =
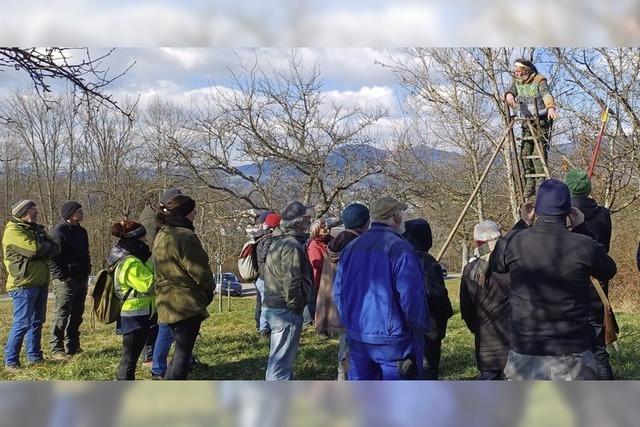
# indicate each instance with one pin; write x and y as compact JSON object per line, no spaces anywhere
{"x":298,"y":145}
{"x":86,"y":74}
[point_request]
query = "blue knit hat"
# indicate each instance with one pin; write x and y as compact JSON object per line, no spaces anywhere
{"x":553,"y":199}
{"x":355,"y":215}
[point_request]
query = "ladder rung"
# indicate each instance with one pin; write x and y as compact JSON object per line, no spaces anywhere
{"x":535,"y":175}
{"x":531,"y":157}
{"x":527,"y":138}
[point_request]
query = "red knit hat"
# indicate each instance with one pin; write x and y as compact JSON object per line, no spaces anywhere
{"x":272,"y":220}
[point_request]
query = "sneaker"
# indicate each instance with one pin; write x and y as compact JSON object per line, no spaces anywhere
{"x":58,"y":355}
{"x":157,"y":377}
{"x":148,"y":364}
{"x":35,"y":362}
{"x":74,"y":352}
{"x":12,"y":369}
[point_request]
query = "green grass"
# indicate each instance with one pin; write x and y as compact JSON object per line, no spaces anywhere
{"x":230,"y":348}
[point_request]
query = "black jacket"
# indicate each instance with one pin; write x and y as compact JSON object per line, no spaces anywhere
{"x":440,"y":310}
{"x":598,"y":219}
{"x":549,"y":270}
{"x":73,"y":261}
{"x":486,"y":311}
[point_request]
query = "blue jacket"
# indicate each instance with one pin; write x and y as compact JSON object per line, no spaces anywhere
{"x":379,"y":288}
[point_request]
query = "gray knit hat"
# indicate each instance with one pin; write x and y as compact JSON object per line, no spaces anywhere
{"x":20,"y":208}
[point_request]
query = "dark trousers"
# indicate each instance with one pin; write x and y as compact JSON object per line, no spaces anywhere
{"x":70,"y":296}
{"x":147,"y":351}
{"x":132,"y":345}
{"x":431,"y":364}
{"x":599,"y":350}
{"x":185,"y":333}
{"x":258,"y":309}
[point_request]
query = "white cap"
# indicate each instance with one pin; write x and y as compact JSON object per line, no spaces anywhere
{"x":485,"y":231}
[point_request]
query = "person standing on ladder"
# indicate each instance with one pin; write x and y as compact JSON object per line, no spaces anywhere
{"x":530,"y":91}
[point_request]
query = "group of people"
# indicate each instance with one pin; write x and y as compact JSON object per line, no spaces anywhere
{"x":526,"y":296}
{"x":161,"y":274}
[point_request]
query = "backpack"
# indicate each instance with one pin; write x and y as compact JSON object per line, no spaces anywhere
{"x":248,"y":261}
{"x":106,"y":305}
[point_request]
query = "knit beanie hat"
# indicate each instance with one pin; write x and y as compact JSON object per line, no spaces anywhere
{"x":553,"y":199}
{"x":69,"y":208}
{"x":578,"y":182}
{"x":272,"y":220}
{"x":355,"y":215}
{"x":20,"y":208}
{"x":169,"y":194}
{"x":179,"y":206}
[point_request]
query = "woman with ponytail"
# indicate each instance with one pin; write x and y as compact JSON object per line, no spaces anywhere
{"x":134,"y":284}
{"x":185,"y":283}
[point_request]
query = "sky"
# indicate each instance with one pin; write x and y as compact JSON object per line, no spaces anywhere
{"x":349,"y":75}
{"x":181,"y":47}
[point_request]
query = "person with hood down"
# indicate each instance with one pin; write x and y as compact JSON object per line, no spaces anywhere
{"x":380,"y":295}
{"x":418,"y":233}
{"x":185,"y":283}
{"x":484,"y":305}
{"x":134,"y":285}
{"x":355,"y":218}
{"x":531,"y":93}
{"x":598,"y":219}
{"x":549,"y":297}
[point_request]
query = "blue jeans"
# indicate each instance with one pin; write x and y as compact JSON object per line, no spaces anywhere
{"x":29,"y":311}
{"x":161,"y":349}
{"x":286,"y":327}
{"x":263,"y":319}
{"x":397,"y":361}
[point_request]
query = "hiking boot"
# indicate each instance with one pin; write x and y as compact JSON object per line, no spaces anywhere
{"x":35,"y":362}
{"x":12,"y":369}
{"x":58,"y":355}
{"x":157,"y":377}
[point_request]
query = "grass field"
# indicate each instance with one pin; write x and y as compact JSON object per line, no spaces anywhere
{"x":229,"y":348}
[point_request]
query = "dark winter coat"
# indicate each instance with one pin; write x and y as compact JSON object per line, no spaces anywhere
{"x":598,"y":219}
{"x":418,"y":233}
{"x":73,"y":261}
{"x":184,"y":281}
{"x":486,"y":311}
{"x":287,"y":278}
{"x":263,"y":239}
{"x":550,"y":269}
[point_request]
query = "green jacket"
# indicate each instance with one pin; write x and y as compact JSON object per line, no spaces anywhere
{"x":288,"y":274}
{"x":132,"y":274}
{"x":27,"y":247}
{"x":184,"y":281}
{"x":533,"y":95}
